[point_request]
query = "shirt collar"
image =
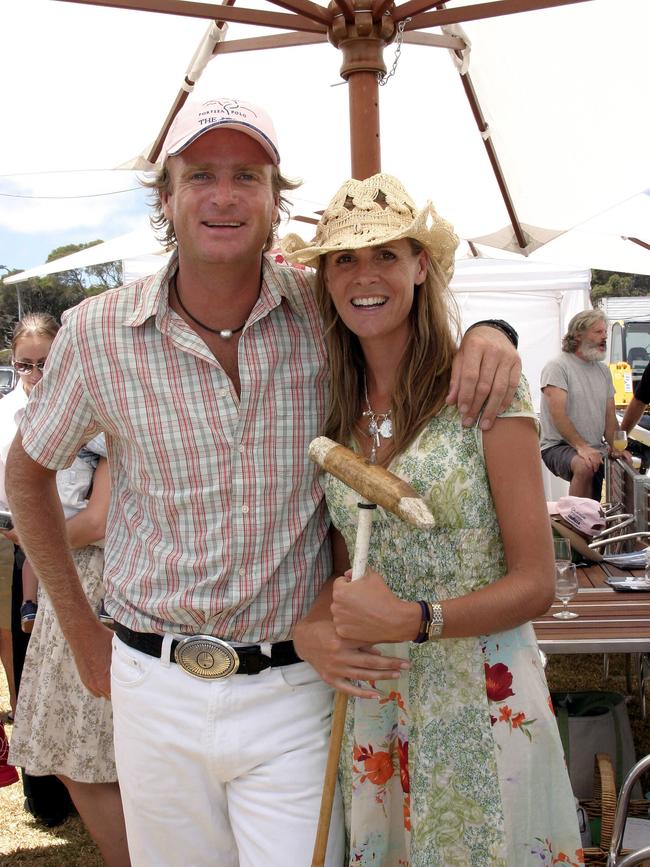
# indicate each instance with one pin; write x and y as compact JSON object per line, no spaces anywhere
{"x":278,"y":283}
{"x":153,"y":299}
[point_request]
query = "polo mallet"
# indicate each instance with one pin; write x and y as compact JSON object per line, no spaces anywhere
{"x":380,"y":487}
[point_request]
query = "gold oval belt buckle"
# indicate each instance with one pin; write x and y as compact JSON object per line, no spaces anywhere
{"x":206,"y":657}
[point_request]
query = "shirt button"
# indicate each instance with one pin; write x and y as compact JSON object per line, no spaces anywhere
{"x":223,"y":392}
{"x":241,"y":449}
{"x":242,"y":572}
{"x":244,"y":509}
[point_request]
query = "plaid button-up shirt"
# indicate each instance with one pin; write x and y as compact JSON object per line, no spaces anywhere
{"x":217,"y":522}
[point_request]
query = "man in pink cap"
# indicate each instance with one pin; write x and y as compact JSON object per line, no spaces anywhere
{"x":209,"y":381}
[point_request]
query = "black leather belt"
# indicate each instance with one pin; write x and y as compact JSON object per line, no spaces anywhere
{"x":211,"y":658}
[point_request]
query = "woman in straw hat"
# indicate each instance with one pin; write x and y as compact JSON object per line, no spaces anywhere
{"x":458,"y":761}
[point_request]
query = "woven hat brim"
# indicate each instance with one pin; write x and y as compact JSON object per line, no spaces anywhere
{"x":439,"y":240}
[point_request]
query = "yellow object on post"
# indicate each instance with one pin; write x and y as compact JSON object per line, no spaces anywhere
{"x":622,"y":379}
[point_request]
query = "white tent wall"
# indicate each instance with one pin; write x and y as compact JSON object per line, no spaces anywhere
{"x":141,"y":266}
{"x":538,"y":300}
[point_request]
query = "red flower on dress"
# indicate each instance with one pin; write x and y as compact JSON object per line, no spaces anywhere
{"x":403,"y":753}
{"x":393,"y":696}
{"x":505,"y":713}
{"x":517,"y":719}
{"x":406,"y":810}
{"x":498,"y":681}
{"x":378,"y":766}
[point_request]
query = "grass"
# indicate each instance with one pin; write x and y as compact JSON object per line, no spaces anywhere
{"x":26,"y":843}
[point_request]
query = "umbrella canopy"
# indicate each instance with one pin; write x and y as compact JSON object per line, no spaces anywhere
{"x":563,"y":95}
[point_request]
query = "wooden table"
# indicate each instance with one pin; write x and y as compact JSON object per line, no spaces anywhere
{"x":610,"y":621}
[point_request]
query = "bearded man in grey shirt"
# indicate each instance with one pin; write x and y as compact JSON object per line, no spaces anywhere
{"x":578,"y":413}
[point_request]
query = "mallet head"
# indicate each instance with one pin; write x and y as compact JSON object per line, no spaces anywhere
{"x":374,"y":483}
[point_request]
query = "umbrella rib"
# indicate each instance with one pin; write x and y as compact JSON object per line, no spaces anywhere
{"x":416,"y":10}
{"x":192,"y":9}
{"x":346,"y":9}
{"x":182,"y":96}
{"x":435,"y":41}
{"x":310,"y":10}
{"x":637,"y":241}
{"x":280,"y":40}
{"x":493,"y":157}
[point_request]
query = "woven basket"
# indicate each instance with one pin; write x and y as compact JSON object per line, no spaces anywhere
{"x":603,"y":805}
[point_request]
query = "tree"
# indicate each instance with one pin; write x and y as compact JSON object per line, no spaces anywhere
{"x":609,"y":283}
{"x":90,"y":280}
{"x":55,"y":293}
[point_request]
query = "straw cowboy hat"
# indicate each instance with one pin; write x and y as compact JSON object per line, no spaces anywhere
{"x":373,"y":212}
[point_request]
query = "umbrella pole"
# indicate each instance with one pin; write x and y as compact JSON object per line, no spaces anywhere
{"x":362,"y":40}
{"x":365,"y":144}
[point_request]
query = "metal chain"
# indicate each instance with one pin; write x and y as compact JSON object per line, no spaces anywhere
{"x":383,"y":79}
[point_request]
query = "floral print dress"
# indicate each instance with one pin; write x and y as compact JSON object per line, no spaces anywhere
{"x":459,"y":764}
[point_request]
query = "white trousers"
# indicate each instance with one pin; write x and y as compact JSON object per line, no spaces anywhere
{"x":221,"y":773}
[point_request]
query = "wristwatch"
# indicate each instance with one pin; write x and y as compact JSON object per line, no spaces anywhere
{"x":436,"y":621}
{"x":501,"y":325}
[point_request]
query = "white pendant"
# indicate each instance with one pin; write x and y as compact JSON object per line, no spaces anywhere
{"x":386,"y":429}
{"x":226,"y":334}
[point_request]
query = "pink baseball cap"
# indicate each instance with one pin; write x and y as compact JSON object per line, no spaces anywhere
{"x":581,"y":513}
{"x":195,"y":118}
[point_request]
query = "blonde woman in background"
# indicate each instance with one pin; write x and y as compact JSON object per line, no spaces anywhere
{"x":60,"y":729}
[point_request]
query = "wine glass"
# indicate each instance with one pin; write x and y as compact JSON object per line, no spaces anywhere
{"x":620,"y":440}
{"x":566,"y":587}
{"x":562,"y":548}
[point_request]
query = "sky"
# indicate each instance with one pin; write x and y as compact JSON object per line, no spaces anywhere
{"x":43,"y":217}
{"x":86,"y":89}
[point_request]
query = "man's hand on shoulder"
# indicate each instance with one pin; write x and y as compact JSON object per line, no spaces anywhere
{"x":486,"y":370}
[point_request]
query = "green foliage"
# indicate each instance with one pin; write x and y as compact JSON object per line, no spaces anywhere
{"x":609,"y":283}
{"x":55,"y":293}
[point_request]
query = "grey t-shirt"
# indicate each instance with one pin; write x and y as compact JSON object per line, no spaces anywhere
{"x":589,"y":387}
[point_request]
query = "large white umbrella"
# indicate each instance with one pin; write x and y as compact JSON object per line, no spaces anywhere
{"x":563,"y":95}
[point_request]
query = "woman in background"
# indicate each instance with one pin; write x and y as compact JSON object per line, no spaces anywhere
{"x":60,"y":728}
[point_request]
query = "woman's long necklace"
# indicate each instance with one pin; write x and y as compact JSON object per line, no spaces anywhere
{"x":380,"y":426}
{"x":224,"y":333}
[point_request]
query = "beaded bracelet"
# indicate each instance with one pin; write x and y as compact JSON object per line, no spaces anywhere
{"x":423,"y":634}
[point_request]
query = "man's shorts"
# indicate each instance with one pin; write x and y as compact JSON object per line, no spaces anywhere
{"x":558,"y":459}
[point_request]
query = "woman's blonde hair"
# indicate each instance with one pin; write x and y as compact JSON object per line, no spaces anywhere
{"x":34,"y":325}
{"x":422,"y":380}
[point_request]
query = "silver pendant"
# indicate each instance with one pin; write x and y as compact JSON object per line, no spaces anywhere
{"x":386,"y":429}
{"x":226,"y":334}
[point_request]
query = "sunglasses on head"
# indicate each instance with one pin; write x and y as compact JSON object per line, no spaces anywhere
{"x":27,"y":366}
